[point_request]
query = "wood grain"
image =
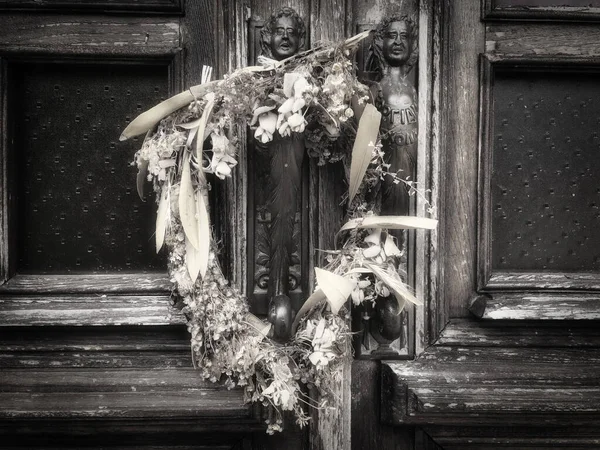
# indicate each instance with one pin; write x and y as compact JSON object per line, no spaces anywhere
{"x":88,"y":34}
{"x":493,"y":386}
{"x":535,"y":306}
{"x":465,"y":40}
{"x":535,"y":40}
{"x":99,"y":310}
{"x":5,"y":202}
{"x":122,"y":393}
{"x":524,"y":334}
{"x":88,"y":284}
{"x":152,"y":6}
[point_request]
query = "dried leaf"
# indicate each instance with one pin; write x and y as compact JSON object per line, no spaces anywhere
{"x":357,"y":38}
{"x":337,"y":289}
{"x":187,"y":204}
{"x":288,"y":83}
{"x":201,"y":132}
{"x":259,"y":111}
{"x":391,"y":223}
{"x":190,"y":125}
{"x":203,"y":234}
{"x":372,"y":251}
{"x":257,"y":324}
{"x":147,"y":120}
{"x":395,"y":284}
{"x":390,"y":248}
{"x":141,"y":178}
{"x":312,"y":301}
{"x":161,"y":217}
{"x":286,"y":107}
{"x":362,"y":150}
{"x":192,"y":260}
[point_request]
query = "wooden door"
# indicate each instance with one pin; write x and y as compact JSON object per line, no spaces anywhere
{"x":91,"y":354}
{"x":506,"y":353}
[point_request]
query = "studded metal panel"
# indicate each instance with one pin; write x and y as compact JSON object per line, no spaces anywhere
{"x":546,"y":172}
{"x":78,"y":208}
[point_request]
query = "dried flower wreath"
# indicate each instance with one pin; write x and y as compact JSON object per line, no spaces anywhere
{"x":316,"y":94}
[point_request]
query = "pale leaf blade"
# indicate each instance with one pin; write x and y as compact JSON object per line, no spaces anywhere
{"x":337,"y":289}
{"x":190,"y":125}
{"x":288,"y":83}
{"x":390,"y":248}
{"x":312,"y":301}
{"x":357,"y":38}
{"x":148,"y":119}
{"x":141,"y":178}
{"x":203,"y":234}
{"x":257,"y":324}
{"x":161,"y":217}
{"x":362,"y":150}
{"x":391,"y":223}
{"x":395,"y":285}
{"x":202,"y":127}
{"x":187,"y":204}
{"x":192,"y":260}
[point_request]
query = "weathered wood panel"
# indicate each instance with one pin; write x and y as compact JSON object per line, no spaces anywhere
{"x":532,"y":306}
{"x":87,"y":284}
{"x":95,"y":347}
{"x":535,"y":40}
{"x":472,"y":386}
{"x":367,"y":430}
{"x":544,"y":280}
{"x":519,"y":437}
{"x":53,"y":394}
{"x":6,"y":201}
{"x":468,"y":332}
{"x":464,"y":41}
{"x":88,"y":34}
{"x":99,"y":310}
{"x":151,"y":6}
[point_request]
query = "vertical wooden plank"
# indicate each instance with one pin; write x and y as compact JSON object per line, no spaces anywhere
{"x":332,"y":426}
{"x":367,"y":430}
{"x":232,"y":53}
{"x":198,"y":38}
{"x":4,"y":184}
{"x":426,"y":170}
{"x":429,"y":265}
{"x":262,"y":9}
{"x":424,"y":442}
{"x":465,"y":38}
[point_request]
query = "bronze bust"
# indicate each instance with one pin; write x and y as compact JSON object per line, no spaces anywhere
{"x":389,"y":69}
{"x":283,"y":35}
{"x":392,"y":56}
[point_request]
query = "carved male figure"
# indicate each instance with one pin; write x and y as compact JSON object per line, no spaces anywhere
{"x":393,"y":55}
{"x":281,"y":37}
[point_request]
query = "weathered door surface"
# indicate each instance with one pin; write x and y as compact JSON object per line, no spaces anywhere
{"x":492,"y":104}
{"x":90,"y":353}
{"x":507,"y":350}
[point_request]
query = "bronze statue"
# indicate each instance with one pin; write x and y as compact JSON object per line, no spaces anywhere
{"x":392,"y":57}
{"x":281,"y":37}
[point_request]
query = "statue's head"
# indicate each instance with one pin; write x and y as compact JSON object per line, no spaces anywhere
{"x":283,"y":35}
{"x":394,"y":44}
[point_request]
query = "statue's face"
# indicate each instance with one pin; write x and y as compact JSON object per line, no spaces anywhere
{"x":285,"y":39}
{"x":396,"y":43}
